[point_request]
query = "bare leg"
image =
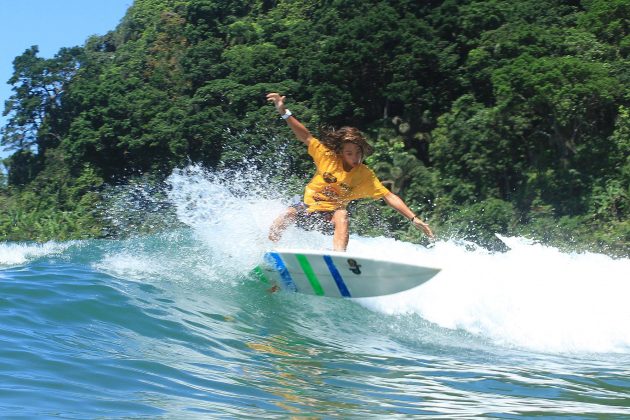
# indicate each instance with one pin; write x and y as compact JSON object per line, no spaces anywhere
{"x":341,"y":236}
{"x":281,"y":223}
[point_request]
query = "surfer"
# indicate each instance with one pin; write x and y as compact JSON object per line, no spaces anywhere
{"x":341,"y":177}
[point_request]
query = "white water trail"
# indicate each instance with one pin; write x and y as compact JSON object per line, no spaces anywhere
{"x":532,"y":296}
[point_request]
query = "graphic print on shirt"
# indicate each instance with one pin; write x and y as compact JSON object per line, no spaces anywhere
{"x":329,"y":178}
{"x":332,"y":187}
{"x":328,"y":193}
{"x":345,"y":188}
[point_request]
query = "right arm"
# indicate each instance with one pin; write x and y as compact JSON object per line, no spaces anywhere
{"x":399,"y":205}
{"x":298,"y":129}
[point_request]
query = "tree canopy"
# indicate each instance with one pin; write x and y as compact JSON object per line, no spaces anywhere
{"x":491,"y":116}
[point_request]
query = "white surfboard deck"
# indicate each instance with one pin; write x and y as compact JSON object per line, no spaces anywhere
{"x":340,"y":274}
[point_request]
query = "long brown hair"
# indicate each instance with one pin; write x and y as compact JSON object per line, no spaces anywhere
{"x":335,"y":139}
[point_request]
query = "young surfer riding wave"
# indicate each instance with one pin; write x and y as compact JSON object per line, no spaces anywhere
{"x":341,"y":177}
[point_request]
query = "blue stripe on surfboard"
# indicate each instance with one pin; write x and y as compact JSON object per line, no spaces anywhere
{"x":281,"y":268}
{"x":335,"y":273}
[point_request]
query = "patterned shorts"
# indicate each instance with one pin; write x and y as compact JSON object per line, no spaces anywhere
{"x":317,"y":220}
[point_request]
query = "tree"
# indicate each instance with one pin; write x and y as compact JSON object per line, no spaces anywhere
{"x":35,"y":109}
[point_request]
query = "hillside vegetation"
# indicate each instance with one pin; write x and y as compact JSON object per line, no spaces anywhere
{"x":489,"y":116}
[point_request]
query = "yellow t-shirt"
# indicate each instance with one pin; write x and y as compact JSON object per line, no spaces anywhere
{"x":332,"y":188}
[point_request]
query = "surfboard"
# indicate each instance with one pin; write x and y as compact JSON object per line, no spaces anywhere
{"x":339,"y":274}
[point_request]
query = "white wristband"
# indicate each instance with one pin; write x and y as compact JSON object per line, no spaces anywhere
{"x":286,"y":114}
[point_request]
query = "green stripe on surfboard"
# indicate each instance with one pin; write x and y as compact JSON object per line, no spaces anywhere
{"x":310,"y":274}
{"x":260,"y":274}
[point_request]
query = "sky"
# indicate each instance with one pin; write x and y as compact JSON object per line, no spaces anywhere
{"x":51,"y":25}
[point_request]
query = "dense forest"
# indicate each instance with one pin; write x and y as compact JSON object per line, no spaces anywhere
{"x":488,"y":116}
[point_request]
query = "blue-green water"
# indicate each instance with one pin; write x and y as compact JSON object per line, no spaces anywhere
{"x":158,"y":327}
{"x":173,"y":326}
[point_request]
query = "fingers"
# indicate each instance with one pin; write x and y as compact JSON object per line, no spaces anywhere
{"x":275,"y":97}
{"x":427,"y":231}
{"x":425,"y":228}
{"x":277,"y":100}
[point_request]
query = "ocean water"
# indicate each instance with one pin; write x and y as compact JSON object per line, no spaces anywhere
{"x":172,"y":325}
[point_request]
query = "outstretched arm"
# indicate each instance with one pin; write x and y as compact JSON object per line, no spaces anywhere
{"x":399,"y":205}
{"x":298,"y":129}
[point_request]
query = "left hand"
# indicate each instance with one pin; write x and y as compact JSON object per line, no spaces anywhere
{"x":420,"y":225}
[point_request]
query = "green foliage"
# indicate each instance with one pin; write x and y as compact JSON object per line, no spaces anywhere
{"x":608,"y":19}
{"x":53,"y":205}
{"x":35,"y":109}
{"x":488,"y":116}
{"x":480,"y":222}
{"x":474,"y":153}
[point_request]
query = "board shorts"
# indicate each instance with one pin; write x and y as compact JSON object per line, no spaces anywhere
{"x":320,"y":221}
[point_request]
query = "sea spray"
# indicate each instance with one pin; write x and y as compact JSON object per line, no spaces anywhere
{"x":15,"y":253}
{"x":139,"y":206}
{"x":231,"y":212}
{"x":532,"y":296}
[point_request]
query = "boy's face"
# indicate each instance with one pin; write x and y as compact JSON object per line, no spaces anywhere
{"x":352,"y":154}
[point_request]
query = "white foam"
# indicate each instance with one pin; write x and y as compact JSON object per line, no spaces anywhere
{"x":15,"y":253}
{"x":532,"y":296}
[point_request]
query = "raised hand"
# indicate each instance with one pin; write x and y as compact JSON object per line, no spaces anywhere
{"x":278,"y":101}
